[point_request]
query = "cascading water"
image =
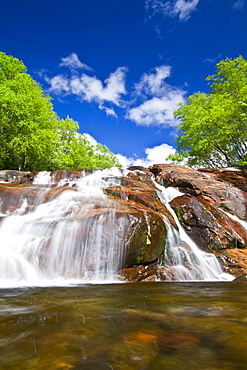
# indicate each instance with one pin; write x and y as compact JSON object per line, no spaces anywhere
{"x":59,"y":243}
{"x":186,"y":260}
{"x":71,"y":237}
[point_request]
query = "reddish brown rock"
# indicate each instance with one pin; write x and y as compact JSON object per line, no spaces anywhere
{"x":207,"y":195}
{"x":235,"y":176}
{"x":208,"y":226}
{"x":134,"y":191}
{"x":13,"y":195}
{"x":17,"y":177}
{"x":136,"y":206}
{"x":235,"y":261}
{"x":221,"y":193}
{"x":140,"y":229}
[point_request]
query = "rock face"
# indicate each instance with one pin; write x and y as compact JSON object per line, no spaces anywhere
{"x":212,"y":209}
{"x":207,"y":210}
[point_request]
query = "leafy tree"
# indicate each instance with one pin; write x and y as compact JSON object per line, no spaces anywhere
{"x":79,"y":154}
{"x":32,"y":136}
{"x":213,"y":128}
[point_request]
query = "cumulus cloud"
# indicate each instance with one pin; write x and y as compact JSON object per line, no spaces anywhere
{"x":154,"y":99}
{"x":161,"y":101}
{"x":124,"y":161}
{"x":154,"y":155}
{"x":91,"y":139}
{"x":175,"y":8}
{"x":58,"y":84}
{"x":72,"y":62}
{"x":89,"y":88}
{"x":92,"y":89}
{"x":154,"y":83}
{"x":157,"y":111}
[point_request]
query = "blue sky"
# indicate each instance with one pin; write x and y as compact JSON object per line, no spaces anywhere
{"x":121,"y":67}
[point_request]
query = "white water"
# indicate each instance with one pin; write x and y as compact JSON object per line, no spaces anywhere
{"x":187,"y":260}
{"x":236,"y":218}
{"x":58,"y":244}
{"x":50,"y":245}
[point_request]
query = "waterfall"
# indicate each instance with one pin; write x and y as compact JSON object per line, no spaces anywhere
{"x":58,"y":243}
{"x":182,"y":255}
{"x":236,"y":218}
{"x":71,"y":234}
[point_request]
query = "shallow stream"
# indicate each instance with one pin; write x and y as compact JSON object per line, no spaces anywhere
{"x":141,"y":326}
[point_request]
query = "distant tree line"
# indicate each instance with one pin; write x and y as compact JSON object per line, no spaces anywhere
{"x":32,"y":136}
{"x":213,"y":126}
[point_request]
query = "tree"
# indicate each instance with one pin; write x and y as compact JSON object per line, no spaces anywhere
{"x":213,"y":128}
{"x":79,"y":154}
{"x":33,"y":137}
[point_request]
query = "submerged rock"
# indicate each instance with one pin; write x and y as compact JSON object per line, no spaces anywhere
{"x":241,"y":279}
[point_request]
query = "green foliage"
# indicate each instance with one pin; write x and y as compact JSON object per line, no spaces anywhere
{"x":79,"y":154}
{"x":32,"y":135}
{"x":213,"y":128}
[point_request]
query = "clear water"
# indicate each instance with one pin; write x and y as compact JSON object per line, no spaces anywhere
{"x":154,"y":326}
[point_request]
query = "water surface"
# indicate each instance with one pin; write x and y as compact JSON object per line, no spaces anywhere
{"x":142,"y":326}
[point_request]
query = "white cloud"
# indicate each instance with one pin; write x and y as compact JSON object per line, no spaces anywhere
{"x":155,"y":155}
{"x":163,"y":100}
{"x":213,"y":60}
{"x":175,"y":8}
{"x":239,"y":4}
{"x":91,"y":139}
{"x":124,"y":161}
{"x":91,"y":89}
{"x":157,"y":99}
{"x":157,"y":111}
{"x":109,"y":111}
{"x":59,"y":84}
{"x":72,"y":62}
{"x":153,"y":83}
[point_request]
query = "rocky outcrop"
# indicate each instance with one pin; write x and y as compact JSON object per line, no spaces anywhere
{"x":129,"y":213}
{"x":211,"y":201}
{"x":211,"y":208}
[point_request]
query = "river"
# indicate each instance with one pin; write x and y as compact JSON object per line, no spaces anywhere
{"x":141,"y":326}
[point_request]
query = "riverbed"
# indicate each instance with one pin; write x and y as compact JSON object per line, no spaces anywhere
{"x":141,"y":326}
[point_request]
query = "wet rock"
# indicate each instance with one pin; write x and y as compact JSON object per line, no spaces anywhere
{"x":131,"y":207}
{"x":144,"y":194}
{"x":69,"y":175}
{"x":209,"y":185}
{"x":236,"y":261}
{"x":176,"y":342}
{"x":13,"y":196}
{"x":211,"y":200}
{"x":207,"y":225}
{"x":148,"y":273}
{"x":235,"y":176}
{"x":17,"y":177}
{"x":139,"y":273}
{"x":241,"y":279}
